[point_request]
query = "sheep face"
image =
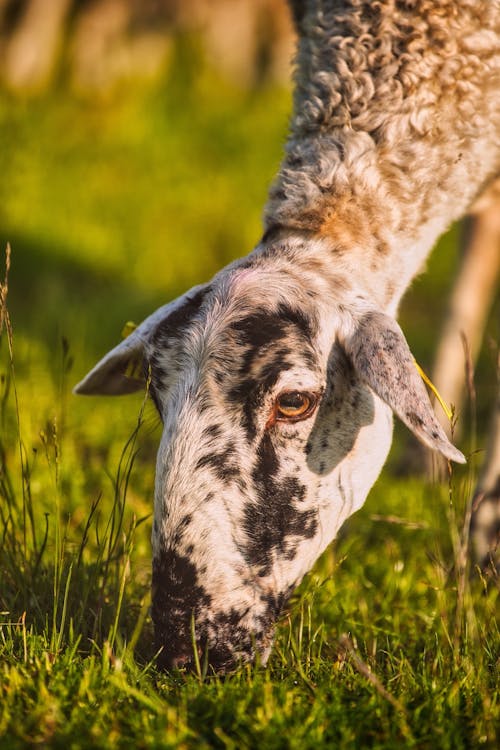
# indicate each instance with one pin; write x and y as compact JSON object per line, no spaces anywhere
{"x":270,"y":441}
{"x":273,"y":433}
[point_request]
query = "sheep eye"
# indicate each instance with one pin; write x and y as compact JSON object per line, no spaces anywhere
{"x":294,"y":405}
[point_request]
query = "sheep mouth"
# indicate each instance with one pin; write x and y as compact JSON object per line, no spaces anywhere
{"x":228,"y":647}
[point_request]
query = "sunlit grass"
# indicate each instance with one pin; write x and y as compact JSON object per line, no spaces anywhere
{"x":374,"y":649}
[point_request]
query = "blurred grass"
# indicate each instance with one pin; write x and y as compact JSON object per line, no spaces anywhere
{"x":112,"y":207}
{"x":148,"y":191}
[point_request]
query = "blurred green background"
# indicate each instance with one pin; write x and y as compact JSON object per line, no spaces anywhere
{"x":136,"y":153}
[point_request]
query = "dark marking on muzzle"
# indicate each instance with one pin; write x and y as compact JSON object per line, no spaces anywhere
{"x":275,"y":603}
{"x":177,"y":597}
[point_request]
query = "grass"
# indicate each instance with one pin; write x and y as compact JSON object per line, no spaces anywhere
{"x":375,"y":649}
{"x":113,"y":207}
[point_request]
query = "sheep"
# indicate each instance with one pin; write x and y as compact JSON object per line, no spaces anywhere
{"x":277,"y":380}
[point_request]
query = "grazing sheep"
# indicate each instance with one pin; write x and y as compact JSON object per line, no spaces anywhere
{"x":276,"y":381}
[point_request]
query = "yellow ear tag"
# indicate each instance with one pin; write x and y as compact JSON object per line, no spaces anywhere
{"x":435,"y":391}
{"x":128,"y":328}
{"x":134,"y":366}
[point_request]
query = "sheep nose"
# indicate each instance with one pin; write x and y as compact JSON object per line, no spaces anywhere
{"x":182,"y":661}
{"x":219,"y":660}
{"x":168,"y":659}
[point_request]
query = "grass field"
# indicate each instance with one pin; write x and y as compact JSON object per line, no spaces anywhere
{"x":112,"y":207}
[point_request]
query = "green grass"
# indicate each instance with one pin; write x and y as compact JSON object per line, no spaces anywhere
{"x":113,"y":207}
{"x":377,"y":648}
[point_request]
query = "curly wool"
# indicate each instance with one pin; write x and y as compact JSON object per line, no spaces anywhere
{"x":396,"y":123}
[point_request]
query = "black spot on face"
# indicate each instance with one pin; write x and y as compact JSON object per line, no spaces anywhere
{"x":275,"y":602}
{"x":179,"y":600}
{"x":223,"y":464}
{"x":268,"y":329}
{"x":214,"y":431}
{"x":267,"y":464}
{"x":272,"y":369}
{"x":270,"y":522}
{"x":269,"y":340}
{"x":259,"y":329}
{"x":231,"y":630}
{"x":175,"y":324}
{"x":165,"y":339}
{"x":249,"y":396}
{"x":181,"y":528}
{"x":299,"y":319}
{"x":177,"y":596}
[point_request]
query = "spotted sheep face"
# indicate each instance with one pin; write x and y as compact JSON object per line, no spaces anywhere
{"x":277,"y":417}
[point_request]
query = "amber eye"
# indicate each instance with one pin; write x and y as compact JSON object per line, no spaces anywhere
{"x":294,"y":405}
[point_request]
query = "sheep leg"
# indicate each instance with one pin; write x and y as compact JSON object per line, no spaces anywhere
{"x":471,"y":300}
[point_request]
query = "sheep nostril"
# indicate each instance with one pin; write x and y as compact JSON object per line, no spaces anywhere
{"x":180,"y":662}
{"x":169,"y":662}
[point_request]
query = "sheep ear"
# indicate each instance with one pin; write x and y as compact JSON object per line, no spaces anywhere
{"x":121,"y":370}
{"x":382,"y":358}
{"x":118,"y":372}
